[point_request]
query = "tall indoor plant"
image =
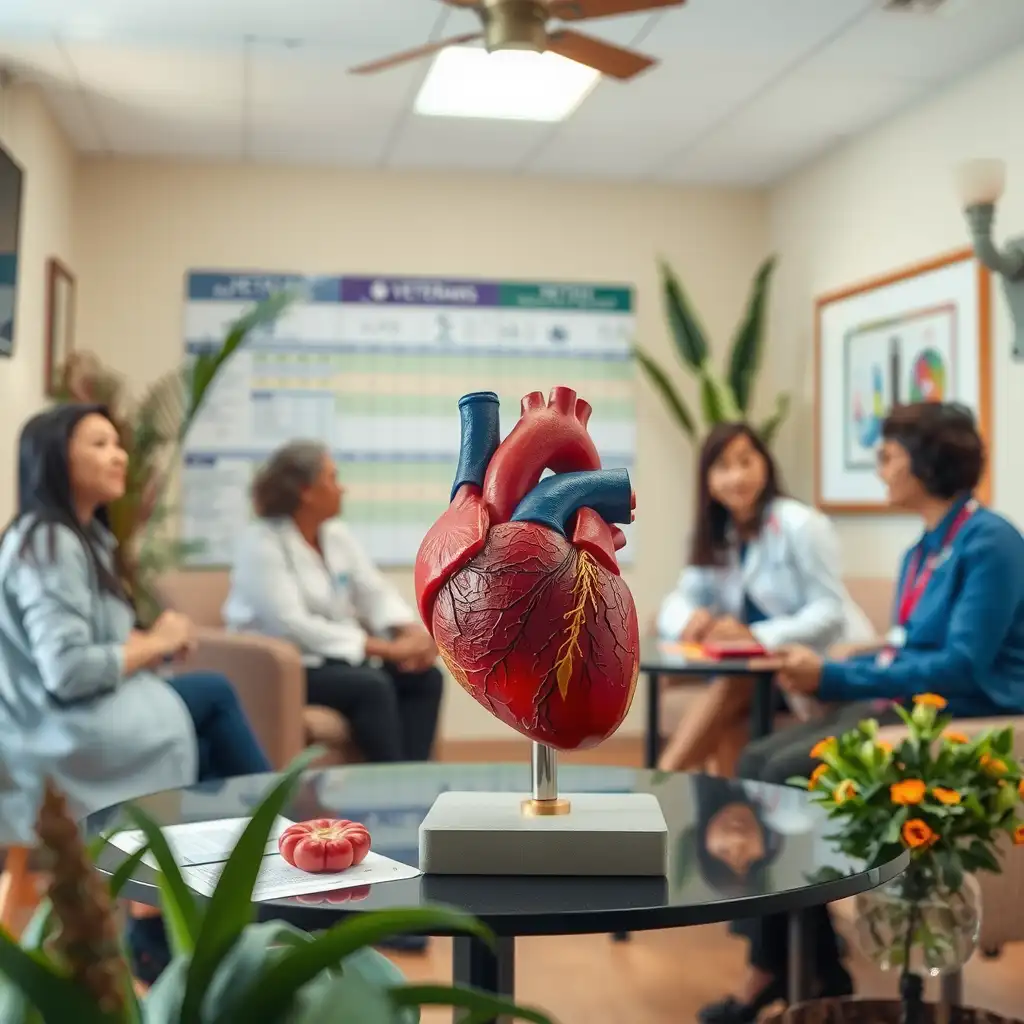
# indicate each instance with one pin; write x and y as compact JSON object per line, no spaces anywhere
{"x":722,"y":398}
{"x":69,"y":968}
{"x":152,"y":430}
{"x":945,"y":797}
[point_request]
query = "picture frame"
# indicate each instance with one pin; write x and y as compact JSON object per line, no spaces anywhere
{"x":60,"y":322}
{"x":922,"y":333}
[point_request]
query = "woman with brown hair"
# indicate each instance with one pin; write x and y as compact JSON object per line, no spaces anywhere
{"x":763,"y":568}
{"x":300,"y":574}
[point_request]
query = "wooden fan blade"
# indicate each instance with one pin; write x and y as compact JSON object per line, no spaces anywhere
{"x":610,"y":60}
{"x":577,"y":10}
{"x":421,"y":51}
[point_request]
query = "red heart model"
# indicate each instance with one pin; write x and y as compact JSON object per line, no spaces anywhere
{"x":518,"y":581}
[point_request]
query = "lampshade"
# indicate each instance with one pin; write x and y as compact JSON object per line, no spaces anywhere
{"x":980,"y":182}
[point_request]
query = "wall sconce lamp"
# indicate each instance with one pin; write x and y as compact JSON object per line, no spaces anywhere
{"x":980,"y":184}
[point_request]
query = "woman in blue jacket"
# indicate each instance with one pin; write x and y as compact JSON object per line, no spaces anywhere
{"x":958,"y":631}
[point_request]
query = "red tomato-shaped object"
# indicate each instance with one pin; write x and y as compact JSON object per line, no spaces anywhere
{"x":324,"y":845}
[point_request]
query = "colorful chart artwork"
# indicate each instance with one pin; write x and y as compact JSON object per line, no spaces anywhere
{"x":373,"y":367}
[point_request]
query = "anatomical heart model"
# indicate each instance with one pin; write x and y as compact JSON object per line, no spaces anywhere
{"x":518,"y":581}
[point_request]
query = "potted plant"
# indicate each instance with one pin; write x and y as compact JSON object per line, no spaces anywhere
{"x":943,"y":796}
{"x":722,"y":398}
{"x":152,"y":430}
{"x":69,"y":965}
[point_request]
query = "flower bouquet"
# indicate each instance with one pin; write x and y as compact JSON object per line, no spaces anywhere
{"x":947,"y":798}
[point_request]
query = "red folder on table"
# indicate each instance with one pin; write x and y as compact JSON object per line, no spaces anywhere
{"x":723,"y":650}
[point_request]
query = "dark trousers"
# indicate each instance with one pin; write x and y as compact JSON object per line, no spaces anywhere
{"x":775,"y":759}
{"x":393,"y":714}
{"x":227,"y":745}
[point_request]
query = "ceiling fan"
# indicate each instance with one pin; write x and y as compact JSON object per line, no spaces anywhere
{"x":523,"y":25}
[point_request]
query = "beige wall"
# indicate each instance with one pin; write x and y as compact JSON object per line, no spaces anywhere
{"x":30,"y":134}
{"x":140,"y":226}
{"x":883,"y":202}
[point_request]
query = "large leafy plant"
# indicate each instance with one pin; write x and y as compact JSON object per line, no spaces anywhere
{"x":69,"y":968}
{"x":725,"y":398}
{"x":153,"y":428}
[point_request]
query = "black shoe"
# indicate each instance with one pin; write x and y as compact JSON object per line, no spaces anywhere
{"x":732,"y":1011}
{"x":149,"y":952}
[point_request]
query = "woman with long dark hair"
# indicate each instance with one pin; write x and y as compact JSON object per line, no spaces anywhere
{"x":762,"y":568}
{"x":74,"y":662}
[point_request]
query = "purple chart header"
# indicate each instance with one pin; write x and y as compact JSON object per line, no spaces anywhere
{"x":419,"y":291}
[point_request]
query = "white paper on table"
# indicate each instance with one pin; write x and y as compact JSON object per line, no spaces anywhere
{"x":199,"y":842}
{"x":279,"y":880}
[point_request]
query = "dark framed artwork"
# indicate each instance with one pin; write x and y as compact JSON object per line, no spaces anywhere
{"x":60,"y":322}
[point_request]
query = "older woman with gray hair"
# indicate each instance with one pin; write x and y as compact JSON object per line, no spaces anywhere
{"x":299,"y":574}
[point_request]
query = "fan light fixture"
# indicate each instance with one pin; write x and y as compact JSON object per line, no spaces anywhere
{"x":515,"y":85}
{"x":980,"y":185}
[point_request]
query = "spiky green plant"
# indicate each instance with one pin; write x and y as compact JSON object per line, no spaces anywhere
{"x":153,"y":429}
{"x":722,"y":398}
{"x":227,"y":968}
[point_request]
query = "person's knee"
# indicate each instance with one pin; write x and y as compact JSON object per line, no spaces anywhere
{"x":374,"y":686}
{"x":433,"y":682}
{"x":216,"y":688}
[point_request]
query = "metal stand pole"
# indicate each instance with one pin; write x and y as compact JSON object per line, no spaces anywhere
{"x":544,"y":769}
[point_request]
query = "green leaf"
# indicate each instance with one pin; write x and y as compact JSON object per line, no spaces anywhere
{"x":482,"y":1006}
{"x":770,"y":427}
{"x":348,"y":996}
{"x":718,"y":404}
{"x":748,"y":344}
{"x":123,"y":873}
{"x":181,"y":911}
{"x":58,"y":999}
{"x":691,"y":342}
{"x":670,"y":396}
{"x":230,"y":908}
{"x":273,"y":993}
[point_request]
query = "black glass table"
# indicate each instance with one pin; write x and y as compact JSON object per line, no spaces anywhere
{"x":714,"y":873}
{"x":659,"y":659}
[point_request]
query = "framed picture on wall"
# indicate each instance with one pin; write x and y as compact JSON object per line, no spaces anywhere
{"x":60,"y":322}
{"x":919,"y":335}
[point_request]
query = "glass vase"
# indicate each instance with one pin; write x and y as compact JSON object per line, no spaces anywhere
{"x":942,"y":924}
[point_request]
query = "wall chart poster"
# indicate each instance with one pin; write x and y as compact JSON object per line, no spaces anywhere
{"x":373,"y":367}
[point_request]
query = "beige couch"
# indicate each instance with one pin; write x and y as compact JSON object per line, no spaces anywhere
{"x":1003,"y":895}
{"x":267,"y":673}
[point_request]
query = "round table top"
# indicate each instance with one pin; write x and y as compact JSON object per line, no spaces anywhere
{"x":657,"y":656}
{"x":737,"y":849}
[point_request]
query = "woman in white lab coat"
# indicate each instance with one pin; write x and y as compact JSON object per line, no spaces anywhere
{"x":762,"y":567}
{"x":299,"y":574}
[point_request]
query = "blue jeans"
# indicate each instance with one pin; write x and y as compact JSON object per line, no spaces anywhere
{"x":227,"y":745}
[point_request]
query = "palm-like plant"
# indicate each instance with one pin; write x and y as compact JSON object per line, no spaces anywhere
{"x":722,"y":399}
{"x":152,"y":431}
{"x":227,"y":969}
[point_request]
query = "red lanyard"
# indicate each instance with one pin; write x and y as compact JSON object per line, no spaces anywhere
{"x":918,"y":577}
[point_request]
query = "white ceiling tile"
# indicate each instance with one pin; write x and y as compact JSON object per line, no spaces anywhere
{"x":454,"y":143}
{"x":932,"y":47}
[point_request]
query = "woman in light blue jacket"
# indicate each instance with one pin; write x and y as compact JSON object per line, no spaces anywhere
{"x":763,"y":568}
{"x":79,"y":689}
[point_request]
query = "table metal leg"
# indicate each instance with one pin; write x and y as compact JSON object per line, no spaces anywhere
{"x":952,"y":990}
{"x":761,"y":709}
{"x":476,"y":965}
{"x":801,"y":958}
{"x":652,"y":741}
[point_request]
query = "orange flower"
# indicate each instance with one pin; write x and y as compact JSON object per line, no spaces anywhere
{"x":992,"y":765}
{"x":822,"y":747}
{"x":816,"y":775}
{"x":1020,"y":789}
{"x":946,"y":796}
{"x":883,"y":746}
{"x":917,"y":834}
{"x":846,"y":789}
{"x":909,"y":791}
{"x":1018,"y":836}
{"x":931,"y":700}
{"x":956,"y":737}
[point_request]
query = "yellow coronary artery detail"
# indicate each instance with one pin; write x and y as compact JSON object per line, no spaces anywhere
{"x":457,"y":671}
{"x":584,"y":592}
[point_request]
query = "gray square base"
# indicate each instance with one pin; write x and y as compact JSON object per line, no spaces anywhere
{"x":617,"y":834}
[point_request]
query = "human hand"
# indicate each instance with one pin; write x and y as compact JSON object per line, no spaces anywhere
{"x":413,"y":650}
{"x":175,"y":633}
{"x":799,"y":670}
{"x":696,"y":629}
{"x":728,"y":629}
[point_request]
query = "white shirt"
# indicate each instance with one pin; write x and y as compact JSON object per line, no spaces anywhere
{"x":327,"y":607}
{"x":792,"y":571}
